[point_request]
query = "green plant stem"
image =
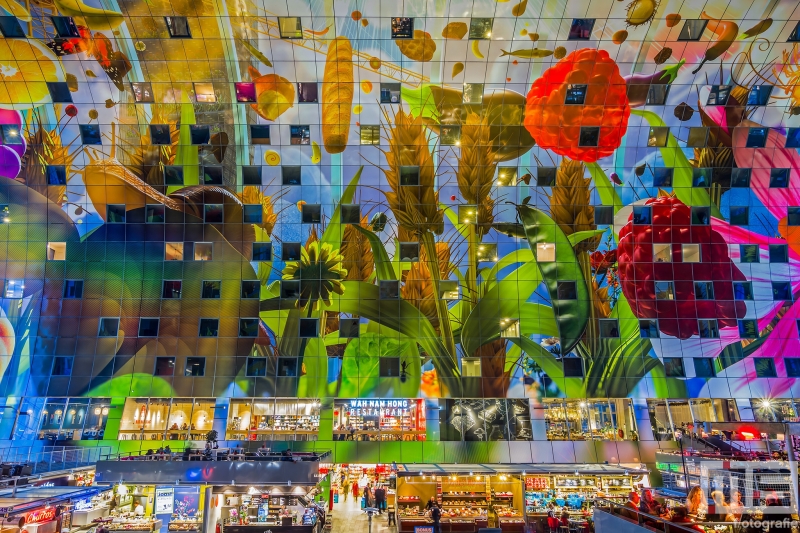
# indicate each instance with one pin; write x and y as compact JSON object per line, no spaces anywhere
{"x":472,"y":267}
{"x":591,"y":329}
{"x":441,"y":305}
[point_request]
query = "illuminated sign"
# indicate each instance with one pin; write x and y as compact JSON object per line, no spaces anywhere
{"x":42,"y":515}
{"x":83,"y":505}
{"x":378,"y":407}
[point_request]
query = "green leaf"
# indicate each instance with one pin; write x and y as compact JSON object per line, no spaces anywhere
{"x":256,"y":52}
{"x":420,"y":102}
{"x":452,"y":216}
{"x":187,"y":154}
{"x":333,"y":232}
{"x":605,"y":189}
{"x":682,"y":170}
{"x":581,"y":236}
{"x":572,"y":387}
{"x":522,"y":255}
{"x":383,"y":265}
{"x":362,"y":299}
{"x":572,"y":315}
{"x":314,"y":383}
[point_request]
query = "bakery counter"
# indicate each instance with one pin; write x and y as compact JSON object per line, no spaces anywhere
{"x":185,"y":525}
{"x":260,"y":527}
{"x":514,"y":524}
{"x":135,"y":525}
{"x":406,"y":524}
{"x":464,"y":525}
{"x":87,"y":516}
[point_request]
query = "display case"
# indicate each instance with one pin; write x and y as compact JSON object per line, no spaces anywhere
{"x":511,"y":524}
{"x":134,"y":524}
{"x":185,"y":525}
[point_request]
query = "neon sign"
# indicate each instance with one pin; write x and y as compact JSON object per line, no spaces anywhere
{"x":42,"y":515}
{"x":377,"y":407}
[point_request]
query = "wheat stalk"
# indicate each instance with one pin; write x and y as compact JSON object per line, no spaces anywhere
{"x":570,"y":203}
{"x":357,"y":252}
{"x":476,"y":167}
{"x":418,"y":288}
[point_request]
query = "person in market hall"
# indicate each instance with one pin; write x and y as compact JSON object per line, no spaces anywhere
{"x":720,"y":511}
{"x":696,"y":501}
{"x":736,"y":505}
{"x":648,"y":504}
{"x":431,"y":504}
{"x":435,"y":514}
{"x":380,"y":498}
{"x":355,"y":488}
{"x":345,"y":487}
{"x":680,"y":515}
{"x":369,"y":497}
{"x":779,"y":516}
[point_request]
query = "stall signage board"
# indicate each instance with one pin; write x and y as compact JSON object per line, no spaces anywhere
{"x":164,"y":501}
{"x":423,"y":529}
{"x":537,"y":483}
{"x":41,"y":515}
{"x":376,"y":407}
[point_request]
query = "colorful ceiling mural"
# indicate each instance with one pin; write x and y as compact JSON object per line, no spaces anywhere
{"x":377,"y":199}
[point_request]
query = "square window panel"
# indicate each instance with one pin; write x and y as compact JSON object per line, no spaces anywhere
{"x":160,"y":134}
{"x":642,"y":214}
{"x":11,"y":134}
{"x":795,"y":35}
{"x":580,"y":29}
{"x":748,"y":329}
{"x":566,"y":290}
{"x":604,"y":215}
{"x":56,"y":251}
{"x":719,"y":95}
{"x":212,"y":175}
{"x":5,"y":214}
{"x":204,"y":251}
{"x":756,"y":138}
{"x":251,"y":288}
{"x":409,"y":251}
{"x":62,"y":366}
{"x":409,"y":176}
{"x":195,"y":367}
{"x":14,"y":288}
{"x":609,"y":328}
{"x":199,"y":134}
{"x":389,"y":290}
{"x":73,"y":288}
{"x":740,"y":178}
{"x":370,"y":134}
{"x":701,"y":215}
{"x":450,"y":135}
{"x":573,"y":367}
{"x":709,"y":329}
{"x":173,"y":251}
{"x":165,"y":366}
{"x":546,"y":176}
{"x":778,"y":253}
{"x":245,"y":91}
{"x":480,"y":28}
{"x":779,"y":178}
{"x":692,"y":30}
{"x":589,"y":136}
{"x":662,"y":177}
{"x":701,"y":177}
{"x":749,"y":253}
{"x":576,"y":94}
{"x":291,"y":175}
{"x":759,"y":95}
{"x":311,"y":214}
{"x":704,"y":367}
{"x":307,"y":92}
{"x":252,"y":214}
{"x":171,"y":288}
{"x":487,"y":251}
{"x":251,"y":175}
{"x":154,"y":214}
{"x":256,"y":367}
{"x":109,"y":327}
{"x":657,"y":137}
{"x":211,"y":289}
{"x":697,"y":137}
{"x":65,"y":27}
{"x":290,"y":27}
{"x":673,"y":367}
{"x":545,"y":252}
{"x":765,"y":367}
{"x":742,"y":290}
{"x":287,"y":366}
{"x":792,"y":138}
{"x":262,"y":251}
{"x":290,"y":288}
{"x":648,"y":329}
{"x":299,"y":134}
{"x":148,"y":327}
{"x":781,"y":291}
{"x":390,"y":93}
{"x":178,"y":27}
{"x":704,"y":290}
{"x":291,"y":251}
{"x":209,"y":327}
{"x":350,"y":213}
{"x":473,"y":93}
{"x":59,"y":92}
{"x":173,"y":175}
{"x":793,"y":216}
{"x":402,"y":27}
{"x":309,"y":328}
{"x":665,"y":290}
{"x":740,"y":215}
{"x":657,"y":94}
{"x":248,"y":327}
{"x":10,"y":27}
{"x":56,"y":174}
{"x":792,"y":367}
{"x":259,"y":134}
{"x":213,"y":213}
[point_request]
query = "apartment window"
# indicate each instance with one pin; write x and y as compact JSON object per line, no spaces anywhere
{"x":449,"y":135}
{"x":704,"y":290}
{"x":160,"y":134}
{"x":65,"y":27}
{"x":609,"y":328}
{"x":178,"y":27}
{"x":704,"y":367}
{"x":171,"y":288}
{"x":546,"y":176}
{"x":795,"y":35}
{"x":73,"y":288}
{"x":566,"y":290}
{"x":779,"y":178}
{"x":402,"y":28}
{"x":662,"y":177}
{"x":665,"y":290}
{"x":287,"y":366}
{"x":262,"y":251}
{"x":765,"y":367}
{"x":309,"y":328}
{"x":657,"y":137}
{"x":248,"y":327}
{"x":10,"y":27}
{"x":473,"y":93}
{"x":742,"y":290}
{"x":10,"y":134}
{"x":756,"y":138}
{"x":245,"y":91}
{"x":792,"y":138}
{"x":697,"y":138}
{"x":603,"y":215}
{"x":14,"y":288}
{"x":165,"y":366}
{"x":740,"y":215}
{"x":154,"y":213}
{"x":589,"y":136}
{"x":252,"y":214}
{"x":62,"y":366}
{"x":213,"y":213}
{"x":199,"y":134}
{"x":204,"y":251}
{"x":56,"y":174}
{"x":657,"y":94}
{"x":148,"y":327}
{"x":370,"y":134}
{"x":759,"y":95}
{"x":792,"y":367}
{"x":409,"y":251}
{"x":311,"y":214}
{"x":290,"y":251}
{"x":307,"y":93}
{"x":212,"y":175}
{"x":468,"y":214}
{"x":390,"y":93}
{"x":90,"y":134}
{"x":251,"y":175}
{"x":778,"y":253}
{"x":195,"y":367}
{"x":749,"y":253}
{"x":781,"y":290}
{"x":59,"y":92}
{"x":740,"y":178}
{"x":545,"y":252}
{"x":692,"y":30}
{"x":350,"y":213}
{"x":5,"y":214}
{"x":299,"y":134}
{"x":290,"y":288}
{"x":259,"y":134}
{"x":701,"y":177}
{"x":662,"y":253}
{"x":250,"y":288}
{"x":748,"y":329}
{"x":290,"y":27}
{"x":642,"y":214}
{"x":142,"y":92}
{"x":690,"y":253}
{"x":256,"y":367}
{"x":576,"y":94}
{"x":109,"y":327}
{"x":389,"y":290}
{"x":389,"y":367}
{"x":480,"y":28}
{"x":209,"y":327}
{"x":409,"y":176}
{"x":573,"y":367}
{"x":580,"y":29}
{"x":349,"y":328}
{"x":488,"y":252}
{"x":56,"y":251}
{"x":173,"y":251}
{"x":291,"y":175}
{"x":173,"y":175}
{"x":701,"y":216}
{"x":709,"y":329}
{"x":793,"y":216}
{"x":211,"y":289}
{"x":719,"y":95}
{"x":673,"y":367}
{"x":471,"y":367}
{"x":648,"y":329}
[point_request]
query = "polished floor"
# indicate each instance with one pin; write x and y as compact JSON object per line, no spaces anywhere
{"x":349,"y":518}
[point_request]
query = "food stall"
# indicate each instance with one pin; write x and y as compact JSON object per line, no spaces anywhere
{"x":508,"y":497}
{"x":283,"y":508}
{"x":89,"y":509}
{"x":379,"y":420}
{"x":48,"y":509}
{"x":151,"y":507}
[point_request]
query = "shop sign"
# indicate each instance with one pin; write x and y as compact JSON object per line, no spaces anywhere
{"x":423,"y":529}
{"x":82,"y":505}
{"x":537,"y":483}
{"x":378,"y":407}
{"x":42,"y":515}
{"x":164,"y":501}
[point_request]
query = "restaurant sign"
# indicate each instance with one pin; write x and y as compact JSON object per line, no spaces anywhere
{"x":41,"y":515}
{"x":378,"y":407}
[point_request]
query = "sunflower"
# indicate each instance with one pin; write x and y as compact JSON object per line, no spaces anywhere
{"x":319,"y":271}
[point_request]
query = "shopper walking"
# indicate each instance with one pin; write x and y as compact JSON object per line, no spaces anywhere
{"x":346,"y":487}
{"x":380,"y":498}
{"x":355,"y":488}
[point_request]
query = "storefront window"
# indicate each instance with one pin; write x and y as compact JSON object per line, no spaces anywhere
{"x":380,"y":420}
{"x":590,"y":420}
{"x":273,"y":419}
{"x":60,"y":419}
{"x":772,"y":410}
{"x":166,"y":418}
{"x":667,"y":416}
{"x":485,"y":420}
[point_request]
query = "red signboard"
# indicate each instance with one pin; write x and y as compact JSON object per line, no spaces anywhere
{"x":42,"y":515}
{"x":537,"y":483}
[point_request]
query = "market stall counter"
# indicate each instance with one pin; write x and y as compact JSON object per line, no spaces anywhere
{"x":121,"y":525}
{"x":280,"y":509}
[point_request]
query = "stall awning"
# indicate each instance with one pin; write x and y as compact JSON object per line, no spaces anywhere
{"x":489,"y":469}
{"x":30,"y":498}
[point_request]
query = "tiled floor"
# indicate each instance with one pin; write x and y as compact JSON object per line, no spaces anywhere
{"x":349,"y":518}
